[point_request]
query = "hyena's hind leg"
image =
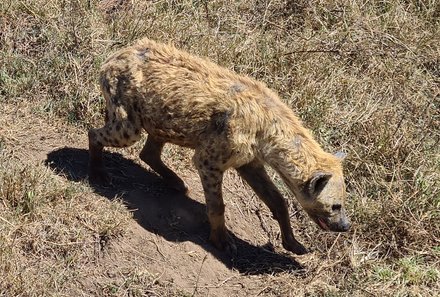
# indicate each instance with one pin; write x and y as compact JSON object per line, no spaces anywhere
{"x":256,"y":176}
{"x":150,"y":154}
{"x":115,"y":133}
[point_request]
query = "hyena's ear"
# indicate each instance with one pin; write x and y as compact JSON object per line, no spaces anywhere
{"x":317,"y":183}
{"x":340,"y":155}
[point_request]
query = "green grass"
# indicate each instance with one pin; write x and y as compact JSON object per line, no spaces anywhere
{"x":406,"y":274}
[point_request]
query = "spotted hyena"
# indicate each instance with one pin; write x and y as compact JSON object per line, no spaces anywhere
{"x":231,"y":121}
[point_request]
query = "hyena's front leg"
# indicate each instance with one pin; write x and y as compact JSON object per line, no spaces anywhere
{"x":212,"y":178}
{"x":150,"y":154}
{"x":256,"y":176}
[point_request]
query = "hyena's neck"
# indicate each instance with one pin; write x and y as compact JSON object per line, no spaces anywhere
{"x":291,"y":150}
{"x":296,"y":163}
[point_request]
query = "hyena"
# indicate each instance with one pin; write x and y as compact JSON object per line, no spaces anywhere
{"x":231,"y":121}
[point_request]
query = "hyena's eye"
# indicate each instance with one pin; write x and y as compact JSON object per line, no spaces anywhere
{"x":336,"y":207}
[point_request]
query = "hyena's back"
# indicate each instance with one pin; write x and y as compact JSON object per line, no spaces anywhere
{"x":173,"y":95}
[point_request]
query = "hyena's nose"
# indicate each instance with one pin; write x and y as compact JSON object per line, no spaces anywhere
{"x":345,"y":225}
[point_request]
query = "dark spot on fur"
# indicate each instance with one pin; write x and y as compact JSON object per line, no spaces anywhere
{"x":123,"y":80}
{"x":137,"y":131}
{"x":220,"y":121}
{"x":99,"y":143}
{"x":106,"y":139}
{"x":131,"y":117}
{"x":136,"y":107}
{"x":206,"y":163}
{"x":118,"y":126}
{"x":116,"y":143}
{"x":105,"y":85}
{"x":121,"y":88}
{"x":143,"y":53}
{"x":116,"y":101}
{"x":126,"y":135}
{"x":236,"y":88}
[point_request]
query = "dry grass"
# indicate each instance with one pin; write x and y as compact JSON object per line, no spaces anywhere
{"x":43,"y":217}
{"x":363,"y":75}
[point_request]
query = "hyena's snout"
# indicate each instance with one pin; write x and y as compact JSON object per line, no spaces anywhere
{"x":335,"y":222}
{"x":342,"y":224}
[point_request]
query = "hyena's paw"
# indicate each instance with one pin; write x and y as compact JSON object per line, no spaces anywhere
{"x":99,"y":176}
{"x":295,"y":247}
{"x":224,"y":242}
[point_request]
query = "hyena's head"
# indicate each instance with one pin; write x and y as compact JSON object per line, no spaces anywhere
{"x":323,"y":198}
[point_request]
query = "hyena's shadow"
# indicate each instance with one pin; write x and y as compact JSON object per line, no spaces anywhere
{"x":165,"y":212}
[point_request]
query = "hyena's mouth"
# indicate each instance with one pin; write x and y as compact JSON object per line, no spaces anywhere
{"x":327,"y":225}
{"x":322,"y":223}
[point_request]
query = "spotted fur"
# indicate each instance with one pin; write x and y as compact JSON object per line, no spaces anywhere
{"x":230,"y":120}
